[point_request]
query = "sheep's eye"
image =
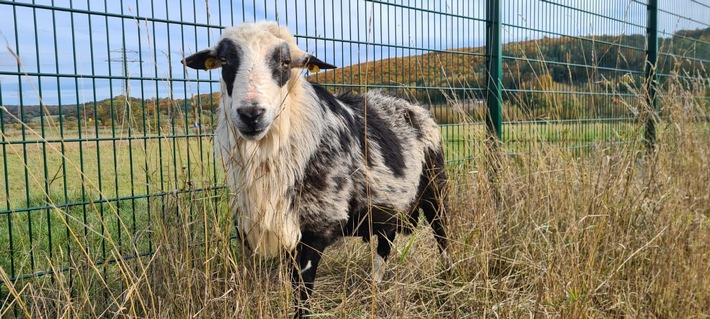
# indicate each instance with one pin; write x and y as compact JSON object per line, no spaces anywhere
{"x":223,"y":61}
{"x":280,"y":64}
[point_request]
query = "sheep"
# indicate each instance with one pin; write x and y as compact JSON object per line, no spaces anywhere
{"x":305,"y":167}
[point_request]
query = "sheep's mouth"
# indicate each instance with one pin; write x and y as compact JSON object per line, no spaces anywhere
{"x":251,"y":131}
{"x":252,"y":134}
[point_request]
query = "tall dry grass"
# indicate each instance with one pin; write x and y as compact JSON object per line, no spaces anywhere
{"x":615,"y":233}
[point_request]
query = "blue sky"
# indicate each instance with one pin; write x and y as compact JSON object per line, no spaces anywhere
{"x":46,"y":43}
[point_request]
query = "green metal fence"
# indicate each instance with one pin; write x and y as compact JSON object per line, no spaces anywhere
{"x":103,"y":130}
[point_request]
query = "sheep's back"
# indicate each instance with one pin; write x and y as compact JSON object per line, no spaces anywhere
{"x":371,"y":157}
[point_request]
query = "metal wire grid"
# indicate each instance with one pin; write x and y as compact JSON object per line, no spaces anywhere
{"x":131,"y":157}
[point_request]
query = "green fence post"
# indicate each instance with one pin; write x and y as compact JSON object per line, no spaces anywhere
{"x":494,"y":71}
{"x":651,"y":77}
{"x":494,"y":120}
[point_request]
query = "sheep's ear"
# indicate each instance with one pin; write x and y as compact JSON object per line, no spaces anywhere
{"x":203,"y":60}
{"x":314,"y":64}
{"x":300,"y":58}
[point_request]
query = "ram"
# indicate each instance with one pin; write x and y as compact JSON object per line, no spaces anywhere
{"x":306,"y":167}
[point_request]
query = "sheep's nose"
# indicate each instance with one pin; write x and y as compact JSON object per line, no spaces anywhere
{"x":250,"y":114}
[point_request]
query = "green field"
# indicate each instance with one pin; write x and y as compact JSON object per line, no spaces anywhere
{"x":53,"y":191}
{"x":465,"y":141}
{"x":573,"y":232}
{"x":99,"y":193}
{"x":114,"y":167}
{"x":110,"y":168}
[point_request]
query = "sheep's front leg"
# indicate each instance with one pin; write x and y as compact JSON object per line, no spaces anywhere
{"x":384,"y":246}
{"x":303,"y":271}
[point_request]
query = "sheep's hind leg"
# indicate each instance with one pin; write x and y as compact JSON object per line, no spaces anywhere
{"x":303,"y":271}
{"x":433,"y":201}
{"x":434,"y":211}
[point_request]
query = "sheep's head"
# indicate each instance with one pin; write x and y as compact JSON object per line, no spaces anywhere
{"x":257,"y":61}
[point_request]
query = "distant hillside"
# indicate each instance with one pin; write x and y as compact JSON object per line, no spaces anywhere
{"x":542,"y":64}
{"x":101,"y":110}
{"x":565,"y":60}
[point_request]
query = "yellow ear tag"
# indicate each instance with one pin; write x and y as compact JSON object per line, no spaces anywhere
{"x":210,"y":64}
{"x":313,"y":68}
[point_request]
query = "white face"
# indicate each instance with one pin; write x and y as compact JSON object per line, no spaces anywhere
{"x":256,"y":60}
{"x":254,"y":83}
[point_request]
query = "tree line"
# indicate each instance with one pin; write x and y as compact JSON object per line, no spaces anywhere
{"x":541,"y":77}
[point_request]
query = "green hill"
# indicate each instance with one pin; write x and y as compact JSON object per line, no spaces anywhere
{"x":566,"y":60}
{"x":593,"y":64}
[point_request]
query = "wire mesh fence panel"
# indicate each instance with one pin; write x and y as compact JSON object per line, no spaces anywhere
{"x":683,"y":56}
{"x":430,"y":53}
{"x":102,"y":128}
{"x":106,"y":136}
{"x":570,"y":79}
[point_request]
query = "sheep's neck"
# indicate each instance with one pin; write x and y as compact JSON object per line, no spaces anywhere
{"x":270,"y":168}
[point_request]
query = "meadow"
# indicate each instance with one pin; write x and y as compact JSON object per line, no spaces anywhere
{"x":618,"y":232}
{"x":117,"y":165}
{"x":567,"y":219}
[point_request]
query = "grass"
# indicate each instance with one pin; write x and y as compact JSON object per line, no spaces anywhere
{"x":617,"y":233}
{"x":111,"y":167}
{"x":99,"y":199}
{"x":118,"y":169}
{"x":460,"y":139}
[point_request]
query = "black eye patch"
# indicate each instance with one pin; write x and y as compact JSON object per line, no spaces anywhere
{"x":229,"y":55}
{"x":280,"y":64}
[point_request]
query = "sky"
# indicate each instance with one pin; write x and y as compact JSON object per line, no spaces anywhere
{"x":88,"y":37}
